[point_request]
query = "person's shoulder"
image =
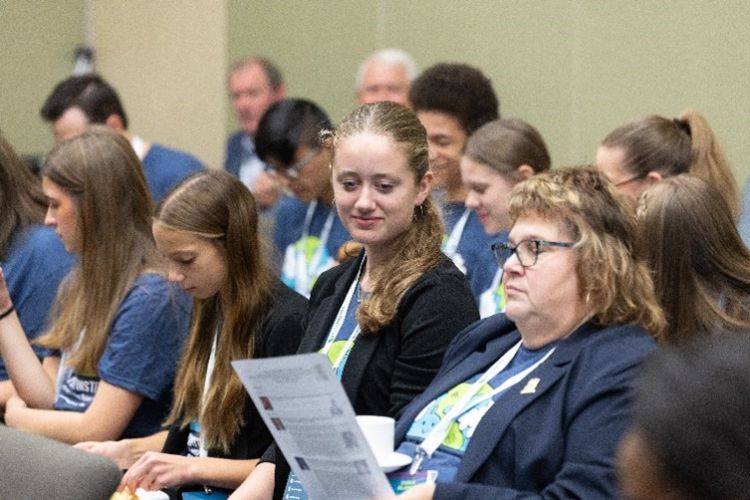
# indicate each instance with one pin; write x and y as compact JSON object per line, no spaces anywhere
{"x":234,"y":140}
{"x":165,"y":154}
{"x":614,"y":346}
{"x":38,"y":237}
{"x":442,"y":288}
{"x":631,"y":335}
{"x":444,"y":271}
{"x":152,"y":284}
{"x":286,"y":301}
{"x":289,"y":204}
{"x":42,"y":244}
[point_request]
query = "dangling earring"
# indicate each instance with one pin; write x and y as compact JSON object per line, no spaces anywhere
{"x":418,"y":212}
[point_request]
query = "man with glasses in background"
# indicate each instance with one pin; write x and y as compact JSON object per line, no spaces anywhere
{"x":308,"y":232}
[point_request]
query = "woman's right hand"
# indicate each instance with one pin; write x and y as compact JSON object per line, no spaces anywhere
{"x":155,"y":471}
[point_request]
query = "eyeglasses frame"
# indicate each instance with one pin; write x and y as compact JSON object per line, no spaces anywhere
{"x":501,"y":260}
{"x":294,"y":170}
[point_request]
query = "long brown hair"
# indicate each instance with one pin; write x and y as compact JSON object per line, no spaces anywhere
{"x":701,"y":268}
{"x":685,"y":144}
{"x":100,"y":172}
{"x":614,"y":282}
{"x":217,"y":206}
{"x":418,"y":249}
{"x":22,"y":202}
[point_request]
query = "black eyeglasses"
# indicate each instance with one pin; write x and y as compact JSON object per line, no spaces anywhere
{"x":628,"y":181}
{"x":527,"y":251}
{"x":293,"y":170}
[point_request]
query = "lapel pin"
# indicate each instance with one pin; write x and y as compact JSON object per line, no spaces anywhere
{"x":530,"y":387}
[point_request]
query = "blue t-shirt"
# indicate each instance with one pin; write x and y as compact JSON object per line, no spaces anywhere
{"x":447,"y":457}
{"x":301,"y":254}
{"x":37,"y":263}
{"x":473,"y":254}
{"x":141,"y":355}
{"x":165,"y":167}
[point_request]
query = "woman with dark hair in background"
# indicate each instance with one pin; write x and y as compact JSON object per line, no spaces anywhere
{"x":31,"y":255}
{"x":645,"y":151}
{"x":308,"y":232}
{"x":499,"y":155}
{"x":701,"y":268}
{"x":118,"y":326}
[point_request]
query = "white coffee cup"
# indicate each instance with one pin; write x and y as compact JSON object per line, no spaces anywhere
{"x":378,"y":432}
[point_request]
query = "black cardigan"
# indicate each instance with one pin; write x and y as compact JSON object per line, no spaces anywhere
{"x":282,"y":331}
{"x":386,"y":370}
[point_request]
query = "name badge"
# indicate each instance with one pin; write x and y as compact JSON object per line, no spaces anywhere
{"x":403,"y":480}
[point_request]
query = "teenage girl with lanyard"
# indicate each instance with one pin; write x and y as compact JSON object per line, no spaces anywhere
{"x":207,"y":229}
{"x":386,"y":317}
{"x":308,"y":232}
{"x":499,"y":155}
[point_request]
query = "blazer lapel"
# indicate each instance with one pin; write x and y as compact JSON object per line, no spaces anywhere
{"x":460,"y":370}
{"x":495,"y":422}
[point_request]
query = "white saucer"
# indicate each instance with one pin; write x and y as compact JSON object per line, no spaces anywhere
{"x":151,"y":495}
{"x":394,"y":461}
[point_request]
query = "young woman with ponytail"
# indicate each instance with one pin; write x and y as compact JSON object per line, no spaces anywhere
{"x":385,"y":318}
{"x":645,"y":151}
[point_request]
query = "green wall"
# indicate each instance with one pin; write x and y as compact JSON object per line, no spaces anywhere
{"x":37,"y":39}
{"x":575,"y":69}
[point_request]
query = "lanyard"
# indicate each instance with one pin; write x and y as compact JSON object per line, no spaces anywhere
{"x":303,"y":272}
{"x":451,"y":245}
{"x":202,"y":450}
{"x":438,"y":433}
{"x":489,"y":300}
{"x":339,"y":322}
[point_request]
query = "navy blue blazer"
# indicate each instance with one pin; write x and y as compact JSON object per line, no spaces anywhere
{"x":555,"y":441}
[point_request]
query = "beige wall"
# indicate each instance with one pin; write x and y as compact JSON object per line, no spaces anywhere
{"x":167,"y":60}
{"x":573,"y":68}
{"x":37,"y":40}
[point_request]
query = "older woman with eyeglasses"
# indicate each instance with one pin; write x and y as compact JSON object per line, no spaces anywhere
{"x":559,"y":363}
